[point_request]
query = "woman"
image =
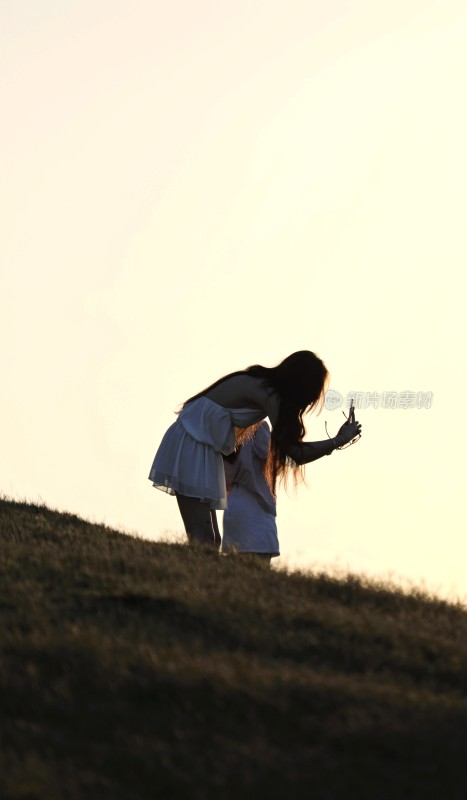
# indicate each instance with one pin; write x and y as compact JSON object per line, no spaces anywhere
{"x":212,"y":423}
{"x":249,"y":524}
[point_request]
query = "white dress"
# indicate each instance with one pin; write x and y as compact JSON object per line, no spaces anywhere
{"x":189,"y":459}
{"x":249,"y":524}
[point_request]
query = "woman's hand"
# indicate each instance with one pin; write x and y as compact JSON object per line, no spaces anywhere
{"x":348,"y":431}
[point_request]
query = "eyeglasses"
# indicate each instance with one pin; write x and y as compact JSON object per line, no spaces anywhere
{"x":352,"y":441}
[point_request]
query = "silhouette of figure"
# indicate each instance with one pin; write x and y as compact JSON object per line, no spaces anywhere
{"x":189,"y":460}
{"x":249,"y":524}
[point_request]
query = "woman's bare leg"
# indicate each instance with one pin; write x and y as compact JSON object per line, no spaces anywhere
{"x":200,"y":526}
{"x":215,"y":527}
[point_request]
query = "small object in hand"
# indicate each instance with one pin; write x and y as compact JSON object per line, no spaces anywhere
{"x":351,"y":417}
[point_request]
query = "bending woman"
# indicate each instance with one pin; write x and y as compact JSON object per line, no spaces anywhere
{"x":212,"y":423}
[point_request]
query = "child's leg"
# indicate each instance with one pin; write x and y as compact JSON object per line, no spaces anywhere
{"x":197,"y":520}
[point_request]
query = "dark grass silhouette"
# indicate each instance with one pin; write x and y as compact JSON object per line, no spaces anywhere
{"x":138,"y":670}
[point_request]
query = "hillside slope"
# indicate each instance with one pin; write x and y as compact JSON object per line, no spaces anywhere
{"x":133,"y":670}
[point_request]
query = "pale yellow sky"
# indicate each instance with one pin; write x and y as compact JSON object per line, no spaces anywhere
{"x":189,"y":188}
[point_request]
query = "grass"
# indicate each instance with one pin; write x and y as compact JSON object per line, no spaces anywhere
{"x":133,"y":670}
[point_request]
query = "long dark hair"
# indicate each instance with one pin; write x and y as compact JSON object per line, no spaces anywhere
{"x":300,"y":380}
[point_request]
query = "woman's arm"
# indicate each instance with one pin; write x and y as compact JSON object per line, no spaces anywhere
{"x":305,"y":452}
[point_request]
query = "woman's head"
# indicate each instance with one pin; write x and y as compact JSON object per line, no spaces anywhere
{"x":300,"y":380}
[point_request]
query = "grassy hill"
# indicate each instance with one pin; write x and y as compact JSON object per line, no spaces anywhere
{"x":135,"y":670}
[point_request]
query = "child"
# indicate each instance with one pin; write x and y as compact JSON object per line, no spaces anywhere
{"x":249,"y":524}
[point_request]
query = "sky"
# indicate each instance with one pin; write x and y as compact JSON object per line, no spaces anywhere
{"x":191,"y":188}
